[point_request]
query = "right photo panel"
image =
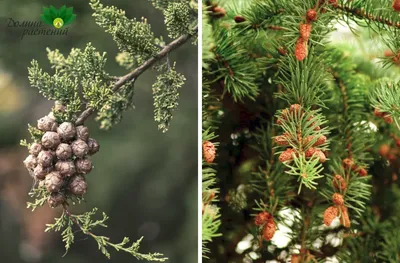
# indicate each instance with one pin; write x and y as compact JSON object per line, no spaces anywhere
{"x":300,"y":131}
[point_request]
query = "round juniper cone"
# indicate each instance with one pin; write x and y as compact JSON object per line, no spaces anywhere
{"x":40,"y":172}
{"x":50,"y":140}
{"x":94,"y":146}
{"x":82,"y":133}
{"x":64,"y":151}
{"x":79,"y":148}
{"x":66,"y":131}
{"x":47,"y":124}
{"x":54,"y":182}
{"x":30,"y":162}
{"x":83,"y":166}
{"x":77,"y":185}
{"x":55,"y":199}
{"x":66,"y":168}
{"x":35,"y":148}
{"x":45,"y":158}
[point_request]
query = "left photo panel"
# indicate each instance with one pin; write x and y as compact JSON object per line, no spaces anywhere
{"x":98,"y":131}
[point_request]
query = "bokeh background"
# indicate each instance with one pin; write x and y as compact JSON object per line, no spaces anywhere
{"x":145,"y":180}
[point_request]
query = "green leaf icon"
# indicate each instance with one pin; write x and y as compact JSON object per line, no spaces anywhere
{"x":71,"y":19}
{"x":53,"y":12}
{"x":62,"y":12}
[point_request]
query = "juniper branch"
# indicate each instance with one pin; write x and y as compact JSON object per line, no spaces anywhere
{"x":133,"y":75}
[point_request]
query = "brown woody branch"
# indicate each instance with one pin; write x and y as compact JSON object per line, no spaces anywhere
{"x":133,"y":75}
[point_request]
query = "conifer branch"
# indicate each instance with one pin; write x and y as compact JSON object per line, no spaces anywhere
{"x":133,"y":75}
{"x":361,"y":14}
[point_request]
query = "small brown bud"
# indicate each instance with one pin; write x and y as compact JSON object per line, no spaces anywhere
{"x":30,"y":162}
{"x":66,"y":131}
{"x":337,"y":199}
{"x":282,"y":51}
{"x":50,"y":140}
{"x":262,"y":218}
{"x":66,"y":168}
{"x":64,"y":151}
{"x":47,"y":124}
{"x":82,"y":132}
{"x":320,"y":155}
{"x":363,"y":172}
{"x":378,"y":113}
{"x":55,"y":199}
{"x":295,"y":108}
{"x":40,"y":172}
{"x":310,"y":152}
{"x":239,"y":19}
{"x":287,"y":155}
{"x":80,"y":148}
{"x":54,"y":182}
{"x":388,"y":118}
{"x":208,"y":151}
{"x":269,"y":229}
{"x":35,"y":149}
{"x":83,"y":166}
{"x":77,"y":185}
{"x":348,"y":163}
{"x":45,"y":158}
{"x":333,"y":3}
{"x":321,"y":140}
{"x":295,"y":258}
{"x":219,"y":11}
{"x":59,"y":107}
{"x":311,"y":15}
{"x":339,"y":182}
{"x":94,"y":146}
{"x":281,"y":140}
{"x":330,"y":214}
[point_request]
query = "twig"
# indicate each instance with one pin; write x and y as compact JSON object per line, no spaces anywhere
{"x":359,"y":13}
{"x":133,"y":75}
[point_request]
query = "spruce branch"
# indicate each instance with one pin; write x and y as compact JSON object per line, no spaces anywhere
{"x":133,"y":75}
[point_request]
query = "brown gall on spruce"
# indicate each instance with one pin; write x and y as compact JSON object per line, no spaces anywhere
{"x":269,"y":229}
{"x":338,"y":199}
{"x":209,"y":151}
{"x":330,"y":214}
{"x":339,"y":182}
{"x":311,"y":15}
{"x":287,"y":155}
{"x":301,"y":49}
{"x":262,"y":218}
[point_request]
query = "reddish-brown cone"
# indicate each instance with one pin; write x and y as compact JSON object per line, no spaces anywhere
{"x":311,"y":15}
{"x":330,"y":213}
{"x":208,"y":151}
{"x":363,"y":172}
{"x":321,"y":140}
{"x":262,"y":218}
{"x":301,"y":49}
{"x":305,"y":31}
{"x":320,"y":155}
{"x":295,"y":258}
{"x":239,"y":19}
{"x":378,"y":113}
{"x":348,"y":163}
{"x":310,"y":152}
{"x":388,"y":118}
{"x":339,"y":182}
{"x":337,"y":199}
{"x":269,"y":229}
{"x":281,"y":140}
{"x":286,"y":155}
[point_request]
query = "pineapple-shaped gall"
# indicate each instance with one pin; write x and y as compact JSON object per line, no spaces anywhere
{"x":45,"y":158}
{"x":55,"y":199}
{"x":40,"y":172}
{"x":83,"y":166}
{"x":80,"y":148}
{"x":50,"y":140}
{"x":77,"y":185}
{"x":94,"y":146}
{"x":35,"y":149}
{"x":54,"y":181}
{"x":47,"y":124}
{"x":64,"y":151}
{"x":66,"y":131}
{"x":82,"y":133}
{"x":66,"y":168}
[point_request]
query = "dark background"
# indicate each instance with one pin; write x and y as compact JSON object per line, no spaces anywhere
{"x":146,"y":181}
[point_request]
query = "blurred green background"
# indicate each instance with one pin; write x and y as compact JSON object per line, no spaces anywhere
{"x":145,"y":180}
